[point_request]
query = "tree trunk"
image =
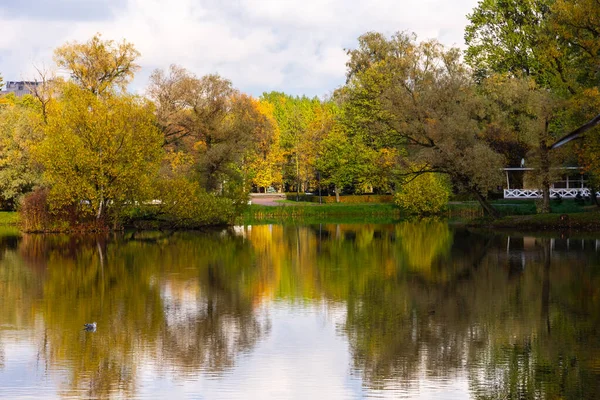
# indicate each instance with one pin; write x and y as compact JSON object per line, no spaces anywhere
{"x":545,"y":198}
{"x":337,"y":194}
{"x":593,"y":190}
{"x":116,"y":222}
{"x":100,"y":212}
{"x":545,"y":169}
{"x":488,"y":208}
{"x":297,"y":177}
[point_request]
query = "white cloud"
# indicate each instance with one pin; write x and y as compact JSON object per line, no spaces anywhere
{"x":288,"y":45}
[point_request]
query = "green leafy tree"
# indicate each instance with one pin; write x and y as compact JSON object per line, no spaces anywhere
{"x":340,"y":161}
{"x":363,"y":110}
{"x":556,"y":44}
{"x":513,"y":37}
{"x":364,"y":113}
{"x":531,"y":117}
{"x":433,"y":111}
{"x":575,"y":24}
{"x":184,"y":204}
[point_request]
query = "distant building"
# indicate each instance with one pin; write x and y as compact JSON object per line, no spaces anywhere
{"x":19,"y":88}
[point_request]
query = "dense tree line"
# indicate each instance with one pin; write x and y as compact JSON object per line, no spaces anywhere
{"x":194,"y":147}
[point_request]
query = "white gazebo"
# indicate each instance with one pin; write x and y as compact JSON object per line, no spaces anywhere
{"x":568,"y":188}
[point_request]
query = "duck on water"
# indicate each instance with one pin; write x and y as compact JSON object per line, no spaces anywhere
{"x":90,"y":327}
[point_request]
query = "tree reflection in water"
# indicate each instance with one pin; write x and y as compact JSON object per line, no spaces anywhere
{"x":518,"y":316}
{"x":177,"y":298}
{"x":522,"y":322}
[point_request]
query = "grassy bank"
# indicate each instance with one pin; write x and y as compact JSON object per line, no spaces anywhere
{"x":10,"y":218}
{"x":315,"y":213}
{"x":580,"y":221}
{"x":508,"y":207}
{"x":521,"y":215}
{"x":517,"y":214}
{"x":308,"y":212}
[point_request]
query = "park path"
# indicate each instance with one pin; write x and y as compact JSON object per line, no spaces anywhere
{"x":267,"y":199}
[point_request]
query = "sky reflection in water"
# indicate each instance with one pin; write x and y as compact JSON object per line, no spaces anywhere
{"x":413,"y":310}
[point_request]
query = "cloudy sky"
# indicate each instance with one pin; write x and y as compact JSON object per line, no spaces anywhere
{"x":295,"y":46}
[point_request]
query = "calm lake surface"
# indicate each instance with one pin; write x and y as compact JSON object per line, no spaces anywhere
{"x":412,"y":310}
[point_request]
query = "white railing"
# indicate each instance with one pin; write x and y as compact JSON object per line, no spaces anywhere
{"x":522,"y":194}
{"x":537,"y":193}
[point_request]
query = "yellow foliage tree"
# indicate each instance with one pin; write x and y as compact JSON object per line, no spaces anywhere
{"x":20,"y":129}
{"x":424,"y":194}
{"x":265,"y":162}
{"x":98,"y":65}
{"x":99,"y":153}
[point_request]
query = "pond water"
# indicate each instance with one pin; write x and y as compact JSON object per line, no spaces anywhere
{"x":332,"y":311}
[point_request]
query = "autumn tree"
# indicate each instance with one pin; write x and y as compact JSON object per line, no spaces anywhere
{"x":556,"y":44}
{"x":98,"y":65}
{"x":99,"y":153}
{"x":425,"y":194}
{"x":20,"y":130}
{"x":101,"y":147}
{"x":524,"y":113}
{"x":432,"y":110}
{"x":265,"y":162}
{"x":299,"y":136}
{"x":504,"y":38}
{"x":574,"y":24}
{"x":177,"y":92}
{"x":363,"y":111}
{"x":585,"y":140}
{"x":209,"y":118}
